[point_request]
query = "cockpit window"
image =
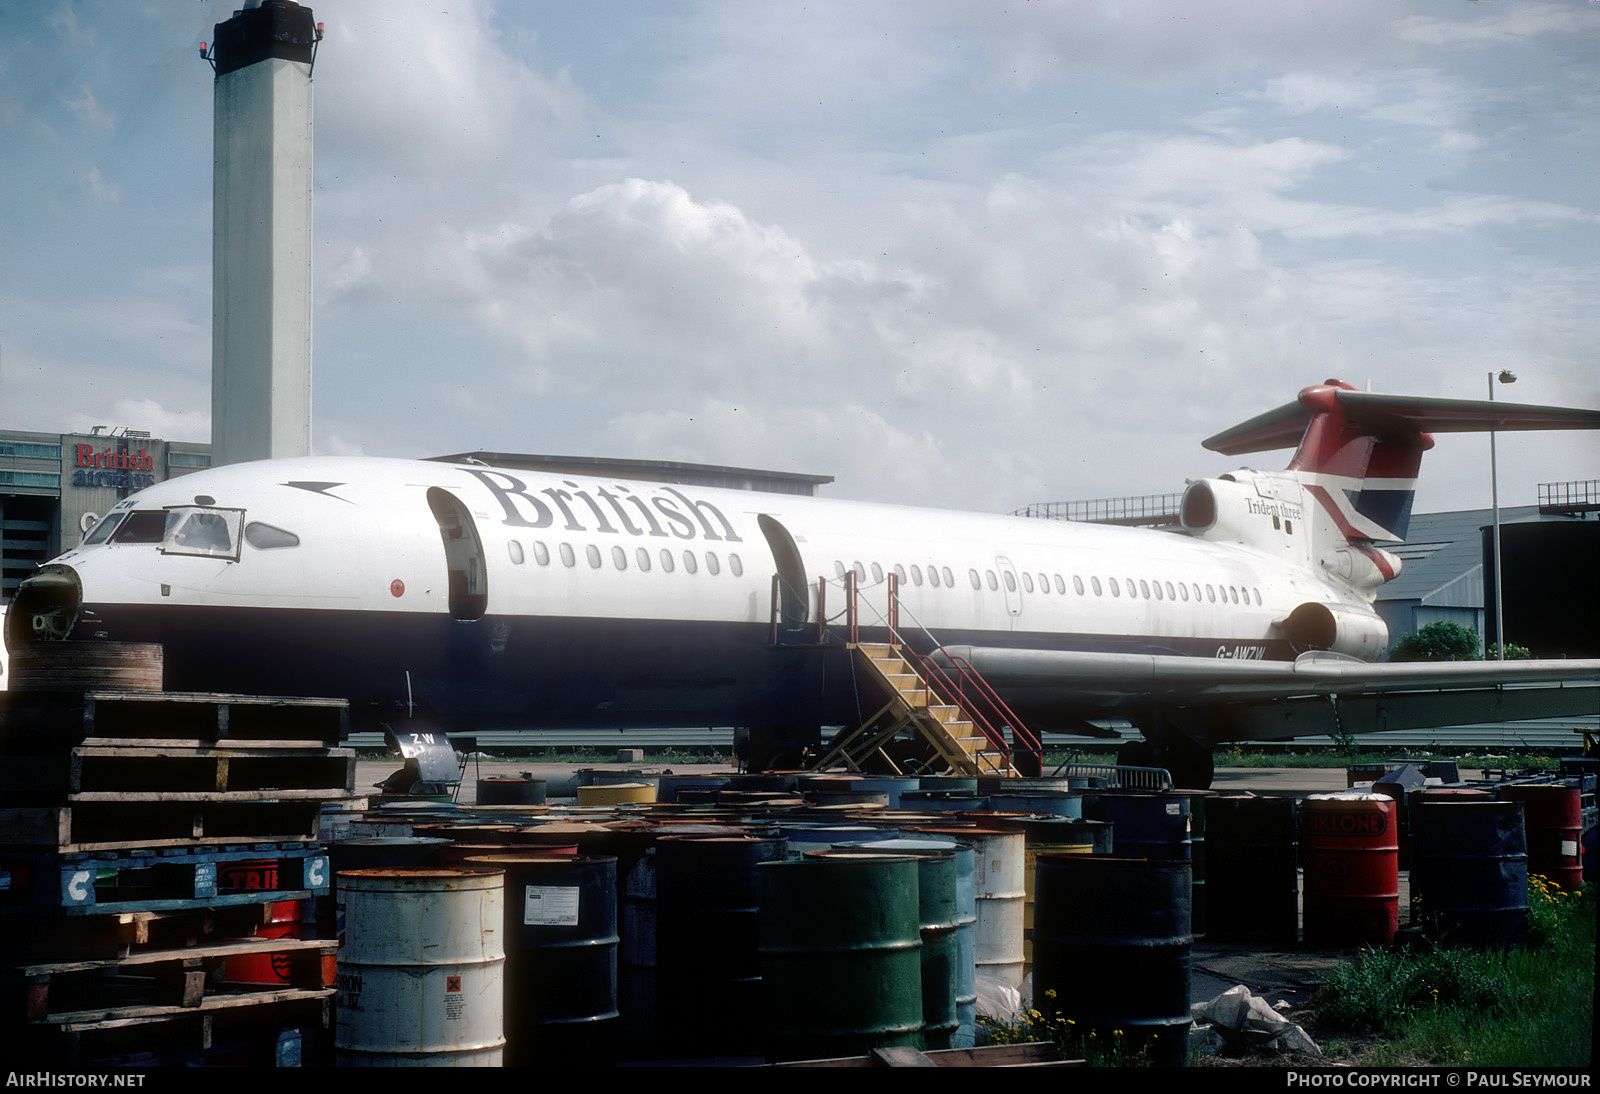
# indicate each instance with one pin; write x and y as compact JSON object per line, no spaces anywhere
{"x":142,"y":526}
{"x":103,"y":529}
{"x":265,"y":537}
{"x":209,"y":533}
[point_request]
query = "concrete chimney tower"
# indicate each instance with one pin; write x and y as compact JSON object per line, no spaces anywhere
{"x":261,"y":236}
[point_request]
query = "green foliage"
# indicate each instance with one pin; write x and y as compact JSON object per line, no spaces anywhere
{"x":1440,"y":641}
{"x":1514,"y":652}
{"x":1097,"y":1047}
{"x":1526,"y":1006}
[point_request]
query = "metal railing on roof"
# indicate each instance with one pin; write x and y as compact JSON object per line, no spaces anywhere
{"x":1148,"y":509}
{"x":1570,"y":498}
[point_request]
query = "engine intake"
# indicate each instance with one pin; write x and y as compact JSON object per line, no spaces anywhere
{"x":1337,"y":629}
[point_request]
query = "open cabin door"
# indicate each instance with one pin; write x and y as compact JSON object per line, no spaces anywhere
{"x":463,"y":553}
{"x":793,"y":588}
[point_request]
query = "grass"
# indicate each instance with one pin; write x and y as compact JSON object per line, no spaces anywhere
{"x":1532,"y":1005}
{"x":1337,"y":758}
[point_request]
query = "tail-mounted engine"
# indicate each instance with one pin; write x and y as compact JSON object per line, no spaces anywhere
{"x":1248,"y":507}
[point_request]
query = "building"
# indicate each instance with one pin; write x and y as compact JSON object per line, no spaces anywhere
{"x":54,"y":486}
{"x":1548,"y":570}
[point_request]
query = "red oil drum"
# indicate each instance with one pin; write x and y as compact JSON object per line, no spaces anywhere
{"x":1554,"y":817}
{"x":1351,"y":854}
{"x":283,"y":921}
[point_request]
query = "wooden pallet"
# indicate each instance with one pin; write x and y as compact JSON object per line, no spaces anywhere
{"x":99,"y":768}
{"x":162,"y":878}
{"x":26,"y":935}
{"x":167,"y":983}
{"x":39,"y":721}
{"x":175,"y":820}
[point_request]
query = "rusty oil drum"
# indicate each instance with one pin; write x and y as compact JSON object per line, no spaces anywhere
{"x":1351,"y":852}
{"x":1553,"y":814}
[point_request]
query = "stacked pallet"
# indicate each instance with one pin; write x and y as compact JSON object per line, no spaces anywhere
{"x":159,"y":867}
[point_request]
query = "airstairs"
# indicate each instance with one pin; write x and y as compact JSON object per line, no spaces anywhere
{"x":938,"y":702}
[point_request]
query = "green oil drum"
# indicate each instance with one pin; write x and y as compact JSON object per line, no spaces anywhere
{"x":841,"y":959}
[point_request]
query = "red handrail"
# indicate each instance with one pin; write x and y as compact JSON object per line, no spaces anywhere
{"x":952,"y":691}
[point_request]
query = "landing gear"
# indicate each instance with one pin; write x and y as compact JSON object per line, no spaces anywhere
{"x":1189,"y":764}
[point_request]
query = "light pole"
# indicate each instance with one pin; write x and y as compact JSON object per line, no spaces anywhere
{"x":1506,"y":376}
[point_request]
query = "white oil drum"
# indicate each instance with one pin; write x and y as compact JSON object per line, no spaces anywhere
{"x":422,"y":968}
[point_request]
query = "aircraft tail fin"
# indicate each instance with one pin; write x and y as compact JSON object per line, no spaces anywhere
{"x":1359,"y":452}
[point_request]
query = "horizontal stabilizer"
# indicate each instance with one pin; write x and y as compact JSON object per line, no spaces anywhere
{"x":1394,"y":416}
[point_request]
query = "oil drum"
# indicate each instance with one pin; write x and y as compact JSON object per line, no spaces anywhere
{"x":1469,"y":871}
{"x":422,"y":968}
{"x":1254,"y":883}
{"x":708,"y":958}
{"x":560,"y":926}
{"x":1112,"y":942}
{"x":1351,"y":852}
{"x":841,"y":960}
{"x":1553,"y":814}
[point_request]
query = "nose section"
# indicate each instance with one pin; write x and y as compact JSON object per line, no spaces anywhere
{"x":45,"y":607}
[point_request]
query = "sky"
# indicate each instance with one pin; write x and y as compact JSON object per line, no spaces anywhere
{"x":960,"y":254}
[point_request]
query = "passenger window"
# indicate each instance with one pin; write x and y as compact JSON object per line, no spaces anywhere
{"x":1027,"y":582}
{"x":594,"y":555}
{"x":1077,"y":584}
{"x":266,"y":537}
{"x":1172,"y":594}
{"x":736,"y":564}
{"x":994,"y":582}
{"x":916,"y":574}
{"x":619,"y":558}
{"x":1133,"y":590}
{"x":1094,"y":583}
{"x":861,"y":571}
{"x":712,"y":565}
{"x":949,"y":578}
{"x":977,"y":582}
{"x":1183,"y":591}
{"x":1011,"y":582}
{"x":933,"y":576}
{"x":1197,"y":592}
{"x":1258,"y":598}
{"x":642,"y":555}
{"x":1211,"y":594}
{"x":666,"y":560}
{"x":513,"y":546}
{"x":1159,"y":594}
{"x":900,"y":573}
{"x":838,"y":569}
{"x":1115,"y":590}
{"x":1233,"y":591}
{"x":541,"y":553}
{"x":877,"y":574}
{"x":567,"y":557}
{"x":689,"y":562}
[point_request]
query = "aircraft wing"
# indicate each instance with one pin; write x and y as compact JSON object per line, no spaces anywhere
{"x":1216,"y":700}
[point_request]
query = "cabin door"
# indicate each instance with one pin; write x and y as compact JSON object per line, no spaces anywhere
{"x":468,"y":579}
{"x":793,"y":588}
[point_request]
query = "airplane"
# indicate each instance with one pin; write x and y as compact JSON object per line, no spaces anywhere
{"x":490,"y":596}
